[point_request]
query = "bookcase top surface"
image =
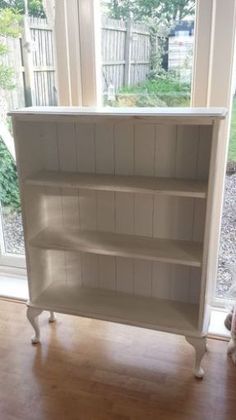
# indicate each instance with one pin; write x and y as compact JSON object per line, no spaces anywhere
{"x":109,"y":112}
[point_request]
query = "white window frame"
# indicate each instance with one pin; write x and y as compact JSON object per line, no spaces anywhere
{"x":77,"y":32}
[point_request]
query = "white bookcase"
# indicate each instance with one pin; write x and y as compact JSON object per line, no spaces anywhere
{"x":118,"y":212}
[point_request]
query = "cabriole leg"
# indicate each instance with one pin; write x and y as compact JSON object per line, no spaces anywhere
{"x":52,"y":317}
{"x":199,"y":345}
{"x":32,"y":315}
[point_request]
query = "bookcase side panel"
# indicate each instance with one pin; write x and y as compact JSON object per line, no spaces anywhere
{"x":27,"y":136}
{"x":202,"y":173}
{"x":212,"y":225}
{"x":29,"y":160}
{"x":199,"y":221}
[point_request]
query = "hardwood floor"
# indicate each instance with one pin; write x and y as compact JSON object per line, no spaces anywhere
{"x":94,"y":370}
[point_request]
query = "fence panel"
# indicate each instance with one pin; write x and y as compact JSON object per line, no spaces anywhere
{"x":140,"y":53}
{"x":113,"y":52}
{"x":43,"y":68}
{"x":43,"y":62}
{"x":125,"y":53}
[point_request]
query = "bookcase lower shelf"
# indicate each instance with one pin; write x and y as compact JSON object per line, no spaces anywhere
{"x":154,"y":313}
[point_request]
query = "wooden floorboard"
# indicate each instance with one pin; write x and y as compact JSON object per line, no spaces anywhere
{"x":94,"y":370}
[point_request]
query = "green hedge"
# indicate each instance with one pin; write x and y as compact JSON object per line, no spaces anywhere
{"x":9,"y":190}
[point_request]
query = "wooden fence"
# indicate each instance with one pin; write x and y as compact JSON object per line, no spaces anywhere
{"x":125,"y":53}
{"x":32,"y":59}
{"x":43,"y":62}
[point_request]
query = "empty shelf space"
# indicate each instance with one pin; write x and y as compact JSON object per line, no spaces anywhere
{"x":121,"y":183}
{"x":129,"y":246}
{"x":120,"y":307}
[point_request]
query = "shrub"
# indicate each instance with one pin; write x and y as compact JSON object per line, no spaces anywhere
{"x":9,"y":191}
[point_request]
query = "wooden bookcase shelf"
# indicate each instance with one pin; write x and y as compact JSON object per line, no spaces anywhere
{"x":118,"y":213}
{"x":159,"y":314}
{"x":119,"y":183}
{"x":127,"y":246}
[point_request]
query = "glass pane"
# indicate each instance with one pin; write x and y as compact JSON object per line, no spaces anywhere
{"x":10,"y":211}
{"x":227,"y":252}
{"x":27,"y":77}
{"x":147,"y":52}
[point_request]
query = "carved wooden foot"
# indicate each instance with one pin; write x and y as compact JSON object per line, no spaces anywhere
{"x":32,"y":315}
{"x":52,"y":317}
{"x":199,"y":345}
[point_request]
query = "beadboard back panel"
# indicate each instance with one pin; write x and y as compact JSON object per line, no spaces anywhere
{"x":122,"y":148}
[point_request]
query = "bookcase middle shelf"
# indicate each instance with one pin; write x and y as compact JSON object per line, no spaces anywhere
{"x":171,"y":251}
{"x":120,"y":183}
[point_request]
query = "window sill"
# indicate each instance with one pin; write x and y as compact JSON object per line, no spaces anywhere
{"x":216,"y":327}
{"x":13,"y":283}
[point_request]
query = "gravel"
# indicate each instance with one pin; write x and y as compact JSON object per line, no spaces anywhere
{"x":227,"y":251}
{"x":14,"y":243}
{"x":13,"y":232}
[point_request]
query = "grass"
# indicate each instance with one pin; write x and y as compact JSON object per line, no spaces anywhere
{"x":232,"y":141}
{"x":164,"y":90}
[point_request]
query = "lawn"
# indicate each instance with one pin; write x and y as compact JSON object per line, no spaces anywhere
{"x":164,"y":90}
{"x":232,"y":141}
